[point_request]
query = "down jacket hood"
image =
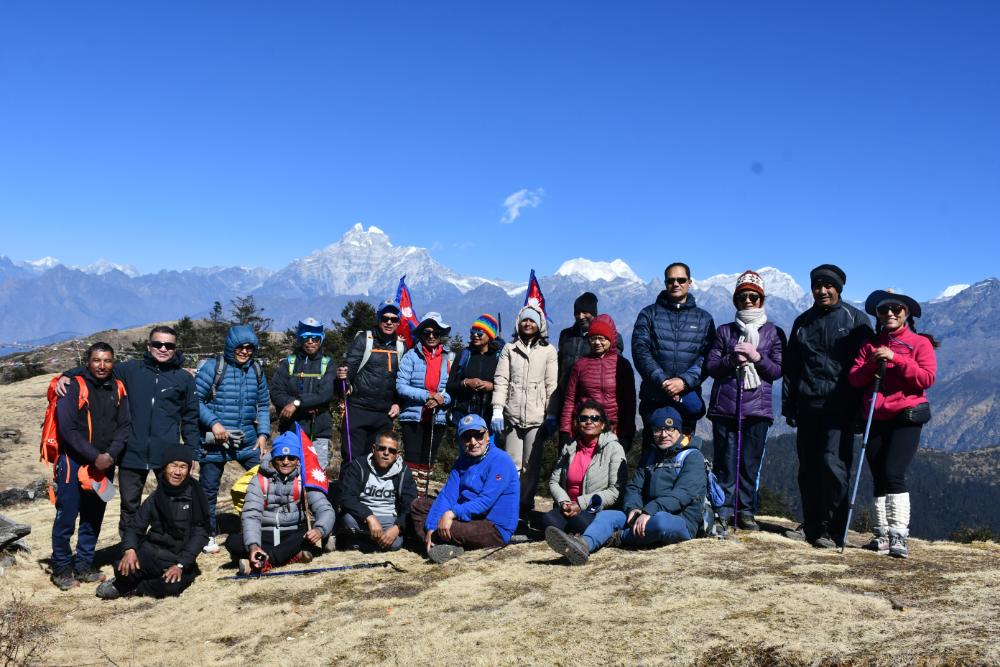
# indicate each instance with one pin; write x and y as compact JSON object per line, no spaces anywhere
{"x":240,"y":334}
{"x":604,"y":322}
{"x":543,"y":329}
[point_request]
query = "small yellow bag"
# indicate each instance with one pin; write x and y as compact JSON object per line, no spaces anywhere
{"x":239,"y":490}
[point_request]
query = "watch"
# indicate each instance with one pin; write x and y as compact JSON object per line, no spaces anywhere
{"x":180,"y":565}
{"x":297,"y":403}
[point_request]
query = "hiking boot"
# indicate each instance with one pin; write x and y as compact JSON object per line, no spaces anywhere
{"x":824,"y":541}
{"x":330,"y":544}
{"x":65,"y":580}
{"x":879,"y":542}
{"x":572,"y":547}
{"x":302,"y":557}
{"x":615,"y":540}
{"x":88,"y":575}
{"x":107,"y":590}
{"x":798,"y":534}
{"x":897,"y":543}
{"x":442,"y":553}
{"x":747,"y":522}
{"x":211,"y":547}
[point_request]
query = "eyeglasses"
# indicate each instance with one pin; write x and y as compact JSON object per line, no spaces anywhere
{"x":583,"y":419}
{"x":896,"y":308}
{"x":385,"y":449}
{"x":679,"y":281}
{"x":663,"y":429}
{"x":311,"y":339}
{"x":752,"y":297}
{"x":430,"y":333}
{"x":285,"y":457}
{"x":476,"y":332}
{"x":469,"y":436}
{"x":161,"y":345}
{"x":390,"y":320}
{"x":246,"y":347}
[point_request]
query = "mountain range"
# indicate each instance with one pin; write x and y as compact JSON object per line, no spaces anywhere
{"x":42,"y":301}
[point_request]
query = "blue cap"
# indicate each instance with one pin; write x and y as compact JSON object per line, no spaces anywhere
{"x":665,"y":417}
{"x":471,"y":422}
{"x":286,"y":444}
{"x":309,"y":327}
{"x":385,"y":307}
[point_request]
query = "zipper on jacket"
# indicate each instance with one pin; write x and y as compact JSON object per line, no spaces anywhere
{"x":149,"y":425}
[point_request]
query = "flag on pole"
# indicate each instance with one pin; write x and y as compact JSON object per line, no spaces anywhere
{"x":409,"y":321}
{"x":533,"y":296}
{"x":310,"y":472}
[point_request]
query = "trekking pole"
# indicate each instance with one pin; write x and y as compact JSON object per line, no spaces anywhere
{"x":430,"y":455}
{"x":347,"y":421}
{"x":317,"y":570}
{"x":864,"y":444}
{"x":740,"y":374}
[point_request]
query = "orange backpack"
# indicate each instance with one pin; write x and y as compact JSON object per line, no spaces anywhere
{"x":49,"y":452}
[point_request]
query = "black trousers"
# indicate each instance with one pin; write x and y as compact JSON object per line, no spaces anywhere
{"x":825,"y":445}
{"x":148,"y":580}
{"x":292,"y":542}
{"x":131,"y":481}
{"x":578,"y":524}
{"x":418,"y":444}
{"x":365,"y":425}
{"x":891,"y":448}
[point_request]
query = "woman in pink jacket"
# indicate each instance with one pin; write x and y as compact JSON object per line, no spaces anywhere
{"x":603,"y":376}
{"x":901,"y":410}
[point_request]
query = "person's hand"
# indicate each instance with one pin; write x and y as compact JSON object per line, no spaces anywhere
{"x":288,"y":411}
{"x":428,"y":541}
{"x":674,"y":387}
{"x":570,"y":509}
{"x":444,"y":525}
{"x":129,"y":563}
{"x":389,"y":536}
{"x":496,"y":424}
{"x":257,"y":557}
{"x":639,"y":527}
{"x":485,"y":386}
{"x":342,"y":372}
{"x":315,"y":536}
{"x":261,"y":445}
{"x":433,"y":401}
{"x":394,"y":411}
{"x":61,"y":386}
{"x":631,"y":516}
{"x":192,"y":371}
{"x":374,"y":527}
{"x":220,"y":433}
{"x":103,"y":461}
{"x":882,"y":354}
{"x":173,"y":574}
{"x":748,"y":351}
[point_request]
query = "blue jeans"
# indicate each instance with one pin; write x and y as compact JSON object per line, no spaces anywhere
{"x":752,"y":447}
{"x":210,"y":475}
{"x":73,"y":502}
{"x":360,"y":533}
{"x":662,"y":528}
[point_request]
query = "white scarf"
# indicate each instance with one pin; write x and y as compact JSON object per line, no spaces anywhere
{"x":749,"y":322}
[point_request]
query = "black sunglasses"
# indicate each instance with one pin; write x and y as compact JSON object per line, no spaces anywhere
{"x":583,"y":419}
{"x":469,"y":436}
{"x":285,"y":457}
{"x":476,"y":332}
{"x":386,"y":449}
{"x":679,"y":281}
{"x":752,"y":297}
{"x":160,"y":345}
{"x":896,"y":308}
{"x":246,"y":347}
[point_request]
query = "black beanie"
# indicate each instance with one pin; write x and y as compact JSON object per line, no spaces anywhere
{"x":830,"y":273}
{"x":585,"y":303}
{"x":177,"y":453}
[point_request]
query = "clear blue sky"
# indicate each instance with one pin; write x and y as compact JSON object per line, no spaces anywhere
{"x":167,"y":135}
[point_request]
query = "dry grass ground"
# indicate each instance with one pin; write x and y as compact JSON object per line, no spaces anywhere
{"x":759,"y":600}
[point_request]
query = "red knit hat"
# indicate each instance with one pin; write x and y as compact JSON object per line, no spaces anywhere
{"x":749,"y":281}
{"x":603,"y":325}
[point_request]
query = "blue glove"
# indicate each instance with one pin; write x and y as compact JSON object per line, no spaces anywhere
{"x":496,"y":424}
{"x":548,"y":427}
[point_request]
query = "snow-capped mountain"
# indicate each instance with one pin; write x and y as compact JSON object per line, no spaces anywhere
{"x":949,"y":292}
{"x":39,"y":265}
{"x":777,"y":283}
{"x":581,"y":269}
{"x":102,"y":266}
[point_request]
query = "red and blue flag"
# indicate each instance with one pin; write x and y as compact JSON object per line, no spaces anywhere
{"x":310,"y":471}
{"x":534,"y":296}
{"x":409,"y":321}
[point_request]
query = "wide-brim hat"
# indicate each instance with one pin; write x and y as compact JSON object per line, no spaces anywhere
{"x":880,"y":296}
{"x":434,"y":320}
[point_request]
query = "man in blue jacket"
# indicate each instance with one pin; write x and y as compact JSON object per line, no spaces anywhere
{"x":662,"y":504}
{"x":163,"y":407}
{"x":669,"y":343}
{"x":235,"y":412}
{"x":478,"y":506}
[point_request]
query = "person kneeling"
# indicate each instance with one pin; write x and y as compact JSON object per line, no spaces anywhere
{"x":663,"y":502}
{"x":375,"y":497}
{"x":275,"y":525}
{"x":477,"y":507}
{"x":160,"y":546}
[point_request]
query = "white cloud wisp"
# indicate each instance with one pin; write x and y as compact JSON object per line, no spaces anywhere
{"x":520,"y":199}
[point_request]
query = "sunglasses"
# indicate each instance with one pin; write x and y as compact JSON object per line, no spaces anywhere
{"x":469,"y":436}
{"x":285,"y":457}
{"x":384,"y":449}
{"x":476,"y":332}
{"x":244,"y":348}
{"x":752,"y":297}
{"x":431,"y":333}
{"x":896,"y":308}
{"x":583,"y":419}
{"x":311,"y":339}
{"x":390,"y":320}
{"x":679,"y":281}
{"x":160,"y":345}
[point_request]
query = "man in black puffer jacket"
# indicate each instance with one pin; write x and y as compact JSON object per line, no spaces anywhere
{"x":369,"y":371}
{"x":817,"y":398}
{"x":669,"y":343}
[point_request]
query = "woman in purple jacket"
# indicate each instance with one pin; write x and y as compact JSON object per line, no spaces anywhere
{"x":750,"y":349}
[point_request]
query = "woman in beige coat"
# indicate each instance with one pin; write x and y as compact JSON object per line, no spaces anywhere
{"x":525,"y":380}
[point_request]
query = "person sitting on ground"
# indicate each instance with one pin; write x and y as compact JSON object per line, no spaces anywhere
{"x":160,"y":548}
{"x":477,"y":508}
{"x":276,"y":530}
{"x":375,"y":497}
{"x":590,"y":473}
{"x":663,"y":502}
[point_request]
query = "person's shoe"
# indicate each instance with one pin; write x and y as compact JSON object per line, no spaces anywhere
{"x":719,"y":529}
{"x":897,"y":543}
{"x":879,"y":542}
{"x":211,"y":547}
{"x":88,"y":575}
{"x":572,"y":547}
{"x":442,"y":553}
{"x":65,"y":580}
{"x":330,"y":544}
{"x":747,"y":522}
{"x":302,"y":557}
{"x":798,"y":534}
{"x":824,"y":541}
{"x":107,"y":591}
{"x":615,"y":540}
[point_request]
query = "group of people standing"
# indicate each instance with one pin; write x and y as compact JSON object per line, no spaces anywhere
{"x":504,"y":400}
